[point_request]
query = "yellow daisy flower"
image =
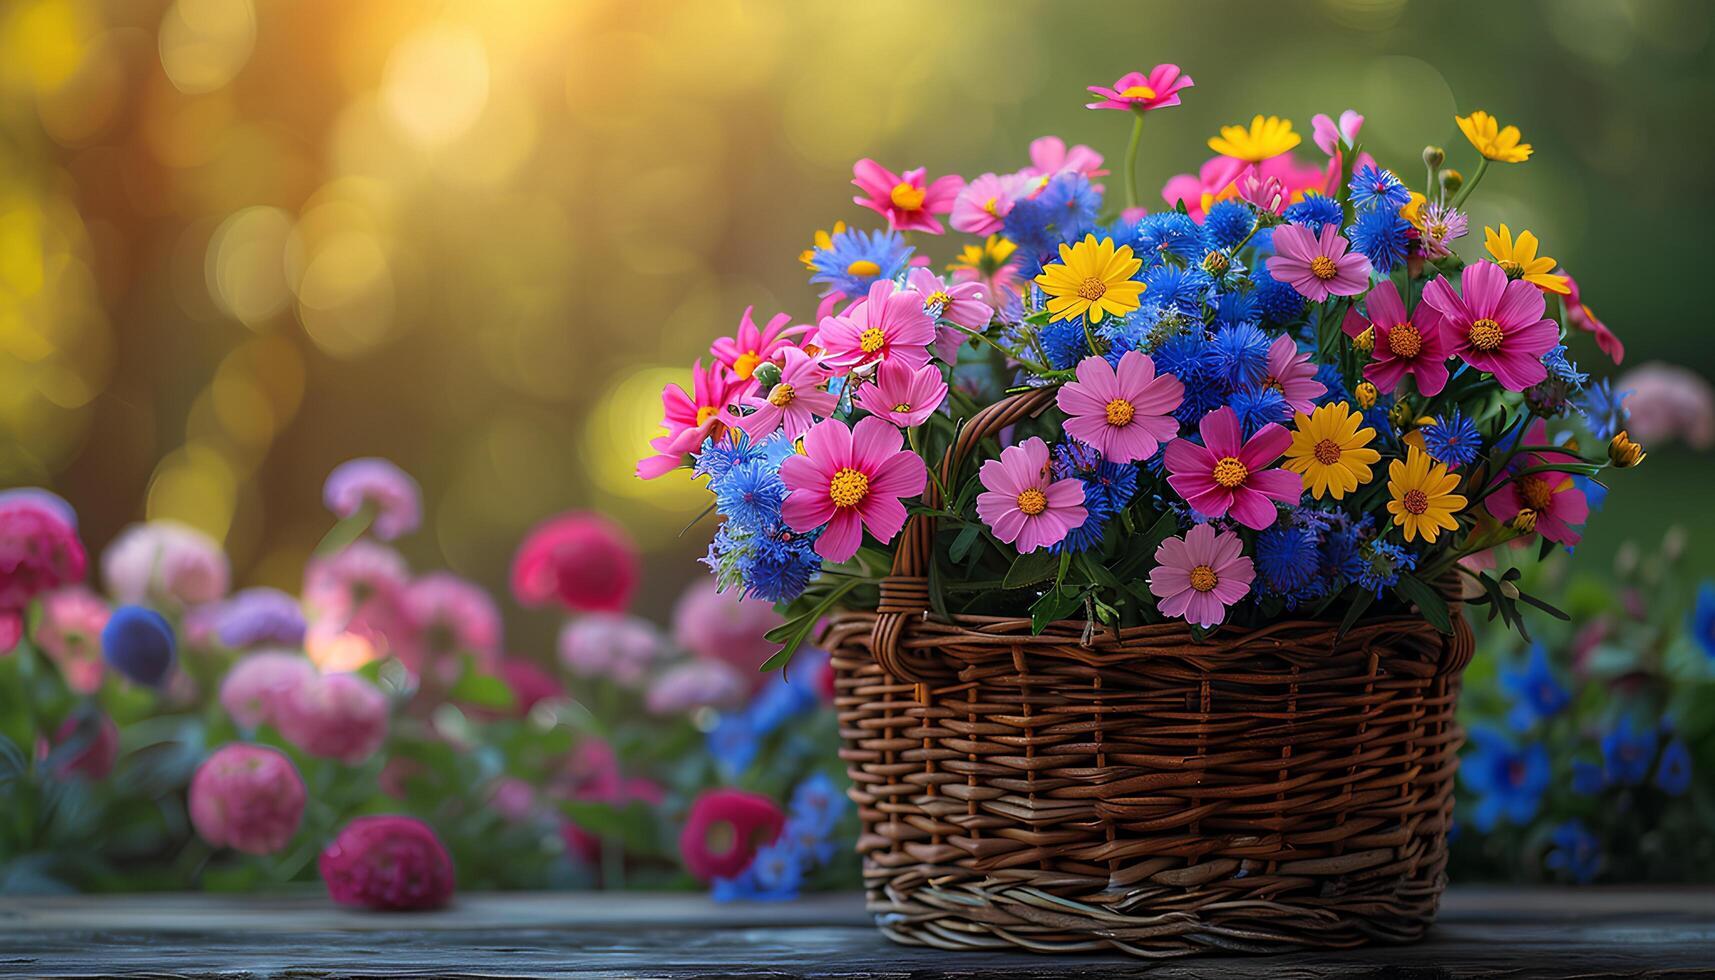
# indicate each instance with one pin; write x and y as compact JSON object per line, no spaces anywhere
{"x":1331,"y":451}
{"x":1491,"y":139}
{"x":1519,"y":259}
{"x":1268,"y":136}
{"x":823,"y":241}
{"x":1091,"y":279}
{"x":985,"y":258}
{"x":1423,"y":499}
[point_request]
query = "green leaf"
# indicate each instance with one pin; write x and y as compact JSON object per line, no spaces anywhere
{"x":792,"y":633}
{"x":1055,"y":604}
{"x":1545,"y":607}
{"x":480,"y":690}
{"x":1429,"y":602}
{"x":1038,"y":566}
{"x":347,"y":530}
{"x":1359,"y":604}
{"x":962,"y":544}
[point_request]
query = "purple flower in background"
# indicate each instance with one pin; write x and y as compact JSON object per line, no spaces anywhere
{"x":611,"y":645}
{"x":260,"y":617}
{"x":450,"y":616}
{"x":695,"y":684}
{"x":257,"y":685}
{"x":389,"y":490}
{"x":165,"y":560}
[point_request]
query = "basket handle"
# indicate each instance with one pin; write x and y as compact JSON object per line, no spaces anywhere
{"x":905,"y":591}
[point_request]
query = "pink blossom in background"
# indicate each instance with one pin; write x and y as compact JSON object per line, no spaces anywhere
{"x":720,"y":626}
{"x":1050,"y":156}
{"x":583,"y":846}
{"x":1023,"y":504}
{"x":254,"y":688}
{"x":591,"y":773}
{"x":388,"y":491}
{"x":695,"y":684}
{"x":1228,"y":474}
{"x":512,"y":798}
{"x":165,"y":560}
{"x":1318,"y":266}
{"x":691,"y":417}
{"x":849,"y":480}
{"x":1668,"y":403}
{"x":247,"y":797}
{"x":792,"y":404}
{"x":99,"y":738}
{"x":258,"y":617}
{"x":1290,"y":371}
{"x":1140,"y":92}
{"x":581,"y":560}
{"x":39,"y":552}
{"x":887,"y":325}
{"x":908,"y":201}
{"x":1329,"y":135}
{"x":388,"y":863}
{"x":1494,"y":324}
{"x":1122,"y":411}
{"x":70,"y":633}
{"x":360,"y":590}
{"x":450,"y":616}
{"x":1199,"y":575}
{"x":904,"y":395}
{"x":752,"y":347}
{"x":620,"y":647}
{"x":982,"y":206}
{"x":1581,"y":317}
{"x":334,"y":716}
{"x":530,"y":684}
{"x":1402,"y":346}
{"x":724,"y":830}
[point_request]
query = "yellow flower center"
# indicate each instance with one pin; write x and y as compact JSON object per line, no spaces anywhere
{"x":989,"y":206}
{"x":1537,"y":494}
{"x":936,"y":303}
{"x":782,"y":395}
{"x":1203,"y":578}
{"x":1485,"y":334}
{"x":863,"y":267}
{"x":1032,"y":502}
{"x":1120,"y":412}
{"x":1511,"y":268}
{"x":1415,"y":501}
{"x":745,"y":364}
{"x":1273,"y":383}
{"x":902,"y":407}
{"x":1092,"y":289}
{"x":906,"y":197}
{"x":1365,"y":342}
{"x":1524,"y":520}
{"x":1216,"y":264}
{"x":1138,"y":92}
{"x":1327,"y":452}
{"x":1438,"y":229}
{"x":1405,"y":340}
{"x":1229,"y":472}
{"x":848,"y":488}
{"x":1367,"y":394}
{"x":872,"y":340}
{"x":705,"y":413}
{"x":1322,"y":267}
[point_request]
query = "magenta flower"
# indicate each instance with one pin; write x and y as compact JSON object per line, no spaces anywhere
{"x":905,"y":200}
{"x":1559,"y":507}
{"x":388,"y":491}
{"x":164,"y":560}
{"x":1401,"y":346}
{"x":1049,"y":156}
{"x":724,"y":829}
{"x":742,"y":354}
{"x":1199,"y":575}
{"x":1023,"y":504}
{"x":1265,"y":193}
{"x":579,"y":559}
{"x":1196,"y":191}
{"x":1124,"y":411}
{"x":1228,"y":474}
{"x":85,"y":746}
{"x":904,"y":395}
{"x":691,"y":418}
{"x":964,"y":303}
{"x":982,"y":206}
{"x":39,"y":551}
{"x":1496,"y":325}
{"x":257,"y":685}
{"x":795,"y":402}
{"x":1140,"y":92}
{"x":890,"y":323}
{"x":1329,"y":136}
{"x":247,"y":797}
{"x":1291,"y":373}
{"x":387,"y":863}
{"x":334,"y":716}
{"x":360,"y":589}
{"x":849,"y":480}
{"x":1318,"y":266}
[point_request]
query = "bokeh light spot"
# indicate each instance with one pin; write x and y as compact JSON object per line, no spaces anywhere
{"x":345,"y":299}
{"x":246,"y":265}
{"x":205,"y":43}
{"x":436,"y":83}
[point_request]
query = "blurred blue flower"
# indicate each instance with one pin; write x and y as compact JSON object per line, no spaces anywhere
{"x":1536,"y":693}
{"x":1703,"y":618}
{"x":1509,"y":779}
{"x":733,"y":743}
{"x":138,"y":643}
{"x":1627,"y":753}
{"x":1576,"y":853}
{"x":1673,"y":769}
{"x":817,"y":805}
{"x":1587,"y":778}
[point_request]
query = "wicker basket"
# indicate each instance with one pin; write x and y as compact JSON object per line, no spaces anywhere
{"x":1260,"y":791}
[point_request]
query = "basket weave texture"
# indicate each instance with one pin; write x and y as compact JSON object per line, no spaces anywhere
{"x":1137,"y":791}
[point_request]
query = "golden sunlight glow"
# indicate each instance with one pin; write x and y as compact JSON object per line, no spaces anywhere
{"x":436,"y":83}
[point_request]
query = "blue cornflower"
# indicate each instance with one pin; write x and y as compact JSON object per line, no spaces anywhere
{"x":1227,"y":223}
{"x":1088,"y":534}
{"x":750,"y":495}
{"x":1576,"y":853}
{"x":139,"y":643}
{"x":260,"y":617}
{"x":780,"y":700}
{"x":1383,"y":561}
{"x":817,"y":804}
{"x":1110,"y":484}
{"x":1065,"y":343}
{"x":1313,"y":212}
{"x":1508,"y":779}
{"x":777,"y":869}
{"x":1180,"y":287}
{"x":1329,"y":376}
{"x":1287,"y":558}
{"x":1375,"y":188}
{"x":1452,"y":439}
{"x":1235,"y":307}
{"x":1702,"y":620}
{"x":1627,"y":753}
{"x":1240,"y":355}
{"x":1673,"y":769}
{"x":717,"y":456}
{"x":1257,"y":407}
{"x":1169,"y":233}
{"x":1563,"y":369}
{"x":1277,"y":301}
{"x":1382,"y":236}
{"x":1342,"y":557}
{"x":1536,"y":693}
{"x":1604,"y":409}
{"x":854,"y":260}
{"x":779,"y":564}
{"x":1072,"y":205}
{"x":1587,"y":778}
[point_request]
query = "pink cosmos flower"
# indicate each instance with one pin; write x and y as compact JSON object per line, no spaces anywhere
{"x":964,"y":303}
{"x":724,"y":830}
{"x":795,"y":401}
{"x":1227,"y":474}
{"x":691,"y":418}
{"x":695,"y":684}
{"x":982,"y":206}
{"x":1329,"y":136}
{"x":255,"y":687}
{"x":387,"y":863}
{"x":612,"y":645}
{"x":1402,"y":346}
{"x":890,"y":323}
{"x":1668,"y":402}
{"x":1560,"y":507}
{"x":1124,"y":411}
{"x":334,"y":716}
{"x":904,"y":199}
{"x":1496,"y":325}
{"x":579,"y":559}
{"x":1291,"y":372}
{"x":716,"y":625}
{"x":1049,"y":156}
{"x":904,"y":395}
{"x":1141,"y":93}
{"x":165,"y":561}
{"x":742,"y":354}
{"x":1318,"y":266}
{"x":850,"y":479}
{"x":1022,"y":504}
{"x":1199,"y":575}
{"x":1580,"y":317}
{"x":247,"y":797}
{"x":390,"y":492}
{"x":70,"y":633}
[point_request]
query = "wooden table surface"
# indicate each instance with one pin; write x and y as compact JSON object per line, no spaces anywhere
{"x":1502,"y":932}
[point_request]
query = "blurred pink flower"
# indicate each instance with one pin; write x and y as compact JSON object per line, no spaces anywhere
{"x":165,"y":560}
{"x":908,"y":201}
{"x":724,"y":830}
{"x":100,"y":740}
{"x":388,"y":863}
{"x":259,"y":683}
{"x":512,"y":798}
{"x":579,"y":559}
{"x":360,"y":589}
{"x":1667,"y":403}
{"x":70,"y":634}
{"x":39,"y":551}
{"x":612,"y":645}
{"x":582,"y":845}
{"x":717,"y":625}
{"x":334,"y":716}
{"x":1210,"y":180}
{"x":1580,"y":317}
{"x":530,"y":684}
{"x":247,"y":797}
{"x":450,"y":616}
{"x":391,"y":494}
{"x":1049,"y":156}
{"x":694,"y":684}
{"x":591,"y":772}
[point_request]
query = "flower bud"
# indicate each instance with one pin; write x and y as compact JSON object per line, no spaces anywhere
{"x":1508,"y":589}
{"x":1401,"y":414}
{"x":768,"y":373}
{"x":1366,"y":395}
{"x":1451,"y":181}
{"x":1434,"y":156}
{"x":1623,"y":452}
{"x":1216,"y":264}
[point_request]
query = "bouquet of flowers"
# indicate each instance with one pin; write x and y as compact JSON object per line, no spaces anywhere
{"x":1286,"y":392}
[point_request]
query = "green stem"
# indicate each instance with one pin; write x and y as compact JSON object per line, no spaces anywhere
{"x":1471,"y":185}
{"x":1131,"y":160}
{"x":1348,"y":160}
{"x":1015,"y":355}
